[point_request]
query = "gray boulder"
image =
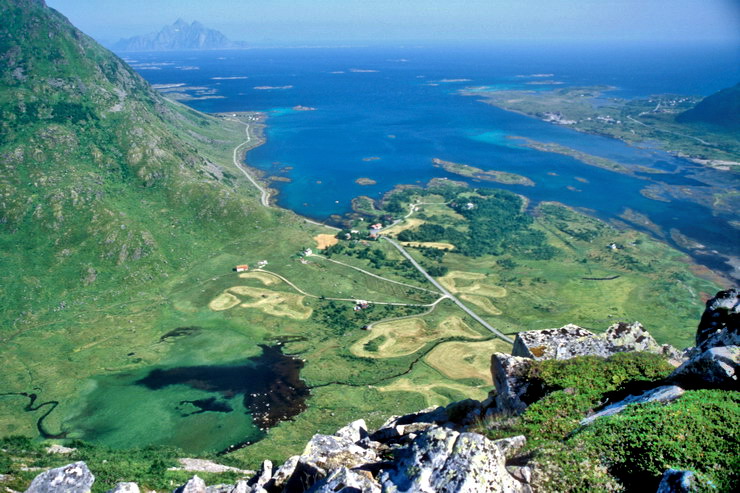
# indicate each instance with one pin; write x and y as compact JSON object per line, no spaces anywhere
{"x":714,"y":368}
{"x":720,"y":322}
{"x":676,"y":481}
{"x":446,"y":461}
{"x":511,"y":445}
{"x":510,"y":379}
{"x":194,"y":485}
{"x":355,"y":431}
{"x":261,"y":479}
{"x":125,"y":488}
{"x":663,"y":394}
{"x":72,"y":478}
{"x":345,"y":480}
{"x":283,"y":474}
{"x":331,"y":452}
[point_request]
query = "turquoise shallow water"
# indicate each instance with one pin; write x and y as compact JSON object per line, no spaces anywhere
{"x":402,"y":105}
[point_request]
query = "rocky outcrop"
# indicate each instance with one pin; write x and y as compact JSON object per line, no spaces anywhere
{"x":443,"y":460}
{"x":715,"y":361}
{"x":72,"y":478}
{"x":571,"y":340}
{"x":714,"y":368}
{"x":720,"y":323}
{"x":510,"y":379}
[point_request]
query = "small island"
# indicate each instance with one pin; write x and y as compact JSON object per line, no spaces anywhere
{"x":479,"y":174}
{"x":365,"y":181}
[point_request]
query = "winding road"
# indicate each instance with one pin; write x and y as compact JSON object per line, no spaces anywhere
{"x":265,"y":201}
{"x":445,"y":292}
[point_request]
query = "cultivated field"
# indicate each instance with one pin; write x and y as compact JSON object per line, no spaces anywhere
{"x":403,"y":337}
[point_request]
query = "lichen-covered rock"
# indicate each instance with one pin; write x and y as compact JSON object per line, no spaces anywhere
{"x":676,"y":481}
{"x":331,"y":452}
{"x":563,"y":343}
{"x":720,"y":322}
{"x":446,"y":461}
{"x":72,"y":478}
{"x":510,"y":379}
{"x":125,"y":488}
{"x":345,"y":480}
{"x":715,"y":368}
{"x":571,"y":340}
{"x":194,"y":485}
{"x":622,"y":337}
{"x":511,"y":445}
{"x":666,"y":393}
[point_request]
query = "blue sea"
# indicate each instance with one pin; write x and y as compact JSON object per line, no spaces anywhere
{"x":402,"y":107}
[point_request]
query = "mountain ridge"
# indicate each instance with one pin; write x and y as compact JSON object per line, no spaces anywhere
{"x":179,"y":36}
{"x":721,"y":109}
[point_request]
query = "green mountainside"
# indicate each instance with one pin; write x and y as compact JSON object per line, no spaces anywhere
{"x":721,"y":109}
{"x":102,"y":182}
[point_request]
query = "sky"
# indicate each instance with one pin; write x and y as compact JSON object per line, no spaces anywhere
{"x":286,"y":22}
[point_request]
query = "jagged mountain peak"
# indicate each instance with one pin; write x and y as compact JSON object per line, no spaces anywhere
{"x":180,"y":35}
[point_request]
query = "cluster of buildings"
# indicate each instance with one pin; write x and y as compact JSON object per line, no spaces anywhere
{"x":245,"y":267}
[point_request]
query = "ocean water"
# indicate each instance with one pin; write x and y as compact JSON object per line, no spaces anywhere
{"x":403,"y":106}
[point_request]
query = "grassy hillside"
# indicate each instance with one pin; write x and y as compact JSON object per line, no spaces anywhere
{"x":720,"y":109}
{"x":102,"y":181}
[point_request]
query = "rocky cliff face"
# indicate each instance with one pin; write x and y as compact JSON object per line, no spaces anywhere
{"x":454,"y":449}
{"x":179,"y":36}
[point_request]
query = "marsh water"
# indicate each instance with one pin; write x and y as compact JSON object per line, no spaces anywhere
{"x":190,"y":403}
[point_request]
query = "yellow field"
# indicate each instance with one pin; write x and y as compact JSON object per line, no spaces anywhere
{"x":264,"y":277}
{"x":481,"y":302}
{"x":223,"y":301}
{"x":432,"y":397}
{"x":325,"y":241}
{"x":403,"y":337}
{"x":470,"y":283}
{"x":409,"y":223}
{"x":274,"y":303}
{"x":429,"y":244}
{"x":466,"y":359}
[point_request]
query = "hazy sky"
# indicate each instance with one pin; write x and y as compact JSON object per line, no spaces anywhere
{"x":362,"y":21}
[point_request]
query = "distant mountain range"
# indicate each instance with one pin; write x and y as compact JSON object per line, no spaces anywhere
{"x":720,"y":109}
{"x":180,"y":36}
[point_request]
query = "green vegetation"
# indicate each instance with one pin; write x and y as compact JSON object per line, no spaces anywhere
{"x":573,"y":387}
{"x":699,"y":432}
{"x":483,"y":175}
{"x":148,"y":466}
{"x":556,"y":265}
{"x":629,"y":450}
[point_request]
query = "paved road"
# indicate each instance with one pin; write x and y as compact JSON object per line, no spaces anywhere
{"x":265,"y":195}
{"x":444,"y":291}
